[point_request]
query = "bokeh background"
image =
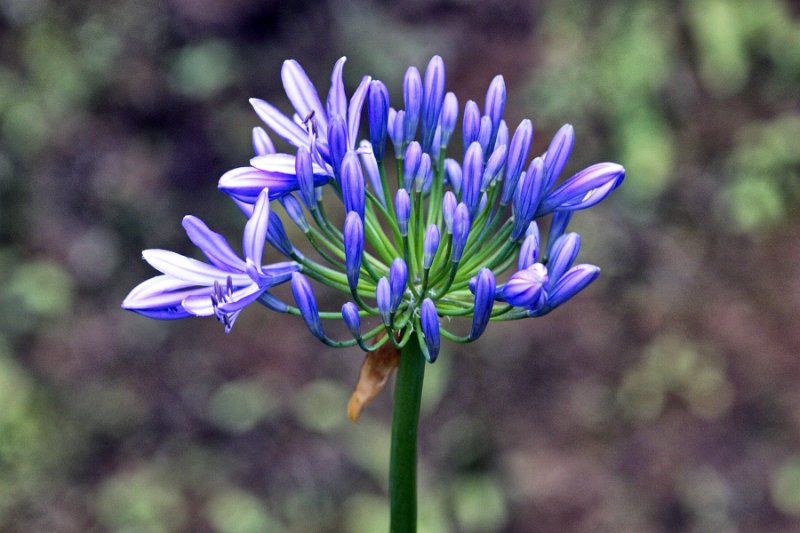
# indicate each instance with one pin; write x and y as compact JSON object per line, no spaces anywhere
{"x":665,"y":398}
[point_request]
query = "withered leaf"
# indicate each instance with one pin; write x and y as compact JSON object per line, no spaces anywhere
{"x":375,"y":372}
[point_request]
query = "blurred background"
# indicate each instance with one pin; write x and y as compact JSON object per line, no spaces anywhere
{"x":665,"y":398}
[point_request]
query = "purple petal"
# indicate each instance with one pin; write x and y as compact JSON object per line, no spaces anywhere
{"x":337,"y":99}
{"x":575,"y":280}
{"x":255,"y":231}
{"x":585,"y":188}
{"x":203,"y":305}
{"x":262,"y":144}
{"x":280,"y":164}
{"x":246,"y":208}
{"x":272,"y":302}
{"x":593,"y":197}
{"x":302,"y":93}
{"x":246,"y":183}
{"x":190,"y":270}
{"x":241,"y":298}
{"x":370,"y":164}
{"x":555,"y":159}
{"x":453,"y":174}
{"x":526,"y":287}
{"x":160,"y":297}
{"x":564,"y":252}
{"x":354,"y":111}
{"x":282,"y":125}
{"x":277,"y":273}
{"x":213,"y":245}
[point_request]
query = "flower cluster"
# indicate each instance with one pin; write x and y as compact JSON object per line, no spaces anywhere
{"x":430,"y":246}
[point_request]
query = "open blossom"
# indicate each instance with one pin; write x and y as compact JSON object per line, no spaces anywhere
{"x":223,"y":286}
{"x":424,"y":237}
{"x":327,"y":132}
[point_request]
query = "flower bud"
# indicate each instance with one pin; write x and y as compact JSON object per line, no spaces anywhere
{"x":472,"y":177}
{"x":295,"y":212}
{"x":452,"y":173}
{"x":527,"y":197}
{"x":483,"y":203}
{"x":402,"y":207}
{"x":461,"y":226}
{"x":449,"y":204}
{"x":502,"y":135}
{"x":262,"y":144}
{"x":517,"y":155}
{"x":371,"y":168}
{"x":378,"y":117}
{"x":494,"y":166}
{"x":430,"y":246}
{"x":353,"y":193}
{"x":398,"y":279}
{"x":485,"y":133}
{"x":429,"y":322}
{"x":412,"y":97}
{"x":307,"y":304}
{"x":432,"y":96}
{"x":448,"y":119}
{"x":555,"y":159}
{"x":526,"y":288}
{"x":411,"y":162}
{"x":495,"y":104}
{"x":383,"y":295}
{"x":484,"y":301}
{"x":574,"y":281}
{"x":352,"y":319}
{"x":529,"y":253}
{"x":471,"y":124}
{"x":563,"y":254}
{"x":305,"y":176}
{"x":424,"y":172}
{"x":353,"y":247}
{"x":558,"y":225}
{"x":436,"y":146}
{"x":585,"y":189}
{"x":396,"y":130}
{"x":337,"y":142}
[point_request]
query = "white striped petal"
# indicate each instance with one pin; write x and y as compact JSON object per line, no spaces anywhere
{"x":255,"y":231}
{"x":354,"y":111}
{"x":302,"y":93}
{"x":190,"y":270}
{"x":158,"y":291}
{"x":281,"y":164}
{"x":337,"y":99}
{"x":213,"y":245}
{"x":282,"y":125}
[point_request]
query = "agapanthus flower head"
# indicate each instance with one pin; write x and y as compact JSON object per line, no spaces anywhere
{"x":424,"y":237}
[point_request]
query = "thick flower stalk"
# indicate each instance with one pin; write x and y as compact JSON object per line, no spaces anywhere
{"x":417,"y":239}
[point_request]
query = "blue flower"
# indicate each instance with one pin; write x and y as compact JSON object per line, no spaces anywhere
{"x":223,"y":286}
{"x":276,"y":171}
{"x":307,"y":304}
{"x":425,"y":237}
{"x":538,"y":288}
{"x":353,"y":247}
{"x":429,"y":324}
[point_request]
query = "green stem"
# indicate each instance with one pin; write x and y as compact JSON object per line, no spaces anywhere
{"x":403,"y":462}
